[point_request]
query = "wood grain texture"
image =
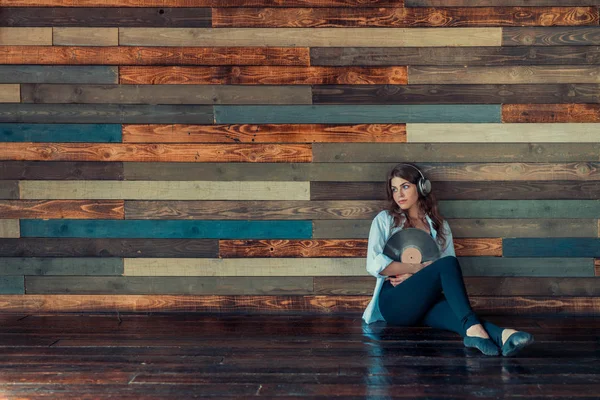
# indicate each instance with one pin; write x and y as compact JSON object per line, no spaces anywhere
{"x":9,"y":228}
{"x":67,"y":228}
{"x":94,"y":133}
{"x":126,"y":55}
{"x":268,"y":133}
{"x":459,"y":56}
{"x":472,"y":228}
{"x":554,"y":247}
{"x":62,"y":36}
{"x":332,"y":114}
{"x":25,"y":36}
{"x":106,"y":17}
{"x":597,"y":266}
{"x":62,"y":266}
{"x":260,"y":75}
{"x":550,"y":113}
{"x":10,"y":93}
{"x":537,"y":266}
{"x":105,"y":113}
{"x":497,"y":3}
{"x":58,"y":74}
{"x":157,"y":152}
{"x":337,"y":248}
{"x":520,"y":209}
{"x":9,"y":190}
{"x":507,"y":133}
{"x":457,"y":94}
{"x":164,"y":94}
{"x":67,"y":247}
{"x":532,"y":74}
{"x":453,"y":152}
{"x":60,"y":170}
{"x":403,"y":17}
{"x":59,"y":209}
{"x":169,"y":285}
{"x":202,"y":3}
{"x":510,"y":305}
{"x":544,"y":36}
{"x":12,"y":285}
{"x":300,"y":37}
{"x":166,"y":190}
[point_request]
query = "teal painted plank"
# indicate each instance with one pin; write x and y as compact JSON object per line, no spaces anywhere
{"x":520,"y":208}
{"x":12,"y":285}
{"x":58,"y":74}
{"x":504,"y":266}
{"x":167,"y":229}
{"x":99,"y":133}
{"x":551,"y":247}
{"x":332,"y":114}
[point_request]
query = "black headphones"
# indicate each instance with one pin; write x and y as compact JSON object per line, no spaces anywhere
{"x":423,"y":185}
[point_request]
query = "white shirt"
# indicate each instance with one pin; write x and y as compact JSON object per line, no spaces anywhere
{"x":381,"y":230}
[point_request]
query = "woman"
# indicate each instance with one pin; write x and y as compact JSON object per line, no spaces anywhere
{"x":410,"y":294}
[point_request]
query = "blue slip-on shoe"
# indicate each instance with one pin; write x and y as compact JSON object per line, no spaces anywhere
{"x":516,"y":342}
{"x":486,"y":346}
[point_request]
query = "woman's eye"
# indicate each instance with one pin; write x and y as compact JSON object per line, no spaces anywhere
{"x":405,"y":187}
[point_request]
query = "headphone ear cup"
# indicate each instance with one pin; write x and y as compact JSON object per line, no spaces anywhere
{"x":425,"y":186}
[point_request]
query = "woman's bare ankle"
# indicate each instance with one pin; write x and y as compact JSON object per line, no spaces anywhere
{"x":478,"y":331}
{"x":506,"y":334}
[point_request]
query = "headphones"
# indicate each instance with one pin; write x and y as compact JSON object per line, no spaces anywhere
{"x":423,"y":185}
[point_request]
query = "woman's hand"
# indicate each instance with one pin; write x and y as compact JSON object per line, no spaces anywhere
{"x":398,"y":279}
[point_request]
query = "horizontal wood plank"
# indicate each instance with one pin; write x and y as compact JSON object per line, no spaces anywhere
{"x":550,"y":113}
{"x":520,"y":209}
{"x":94,"y":133}
{"x":62,"y":266}
{"x":554,"y":247}
{"x":67,"y":247}
{"x":202,"y":3}
{"x":9,"y":228}
{"x":61,"y":170}
{"x":497,"y":3}
{"x":10,"y":93}
{"x":261,"y":75}
{"x":9,"y":190}
{"x":59,"y":209}
{"x":58,"y":74}
{"x":523,"y":266}
{"x":133,"y":55}
{"x":167,"y":190}
{"x":62,"y":36}
{"x":25,"y":36}
{"x":300,"y":37}
{"x":12,"y":285}
{"x":166,"y":229}
{"x":597,"y":266}
{"x":551,"y":36}
{"x":268,"y":133}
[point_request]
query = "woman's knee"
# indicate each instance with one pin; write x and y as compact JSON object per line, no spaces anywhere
{"x":446,"y":262}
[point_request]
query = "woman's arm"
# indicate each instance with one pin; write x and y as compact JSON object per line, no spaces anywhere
{"x":399,"y":268}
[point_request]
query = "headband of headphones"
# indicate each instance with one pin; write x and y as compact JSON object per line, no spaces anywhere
{"x":423,"y":185}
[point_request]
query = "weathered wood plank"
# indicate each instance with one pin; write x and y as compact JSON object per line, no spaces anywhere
{"x":126,"y":55}
{"x":300,"y":37}
{"x":488,"y":56}
{"x":550,"y":113}
{"x":271,"y":133}
{"x":9,"y":228}
{"x":166,"y":190}
{"x":545,"y":36}
{"x":331,"y":114}
{"x":164,"y":94}
{"x":555,"y":247}
{"x":597,"y":266}
{"x":9,"y":190}
{"x":203,"y":3}
{"x":472,"y":228}
{"x":105,"y":113}
{"x":66,"y":247}
{"x":10,"y":93}
{"x":508,"y":133}
{"x":93,"y":133}
{"x":58,"y":74}
{"x":497,"y":3}
{"x":337,"y":248}
{"x":535,"y":74}
{"x":548,"y":267}
{"x":157,"y":152}
{"x":232,"y":285}
{"x":85,"y":36}
{"x":59,"y":209}
{"x":463,"y":152}
{"x":106,"y":17}
{"x":520,"y":208}
{"x":58,"y":170}
{"x":12,"y":285}
{"x":62,"y":266}
{"x":25,"y":36}
{"x":403,"y":17}
{"x":166,"y":229}
{"x":457,"y":94}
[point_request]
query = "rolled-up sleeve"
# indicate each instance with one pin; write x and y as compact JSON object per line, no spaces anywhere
{"x":376,"y":260}
{"x":449,"y":247}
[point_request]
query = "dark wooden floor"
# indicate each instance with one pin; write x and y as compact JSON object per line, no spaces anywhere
{"x":242,"y":356}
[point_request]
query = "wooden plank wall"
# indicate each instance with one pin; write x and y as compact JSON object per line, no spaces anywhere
{"x":229,"y":155}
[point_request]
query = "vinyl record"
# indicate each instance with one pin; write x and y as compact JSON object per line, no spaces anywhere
{"x":411,"y":245}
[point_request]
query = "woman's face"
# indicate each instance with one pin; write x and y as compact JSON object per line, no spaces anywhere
{"x":405,"y":193}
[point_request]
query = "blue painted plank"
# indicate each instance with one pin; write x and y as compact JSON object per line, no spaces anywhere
{"x":99,"y":133}
{"x":12,"y":285}
{"x":551,"y":247}
{"x":97,"y":74}
{"x":167,"y":229}
{"x":520,"y":208}
{"x":333,"y":114}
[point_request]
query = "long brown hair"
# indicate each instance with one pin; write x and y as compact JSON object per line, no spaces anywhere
{"x":426,"y":204}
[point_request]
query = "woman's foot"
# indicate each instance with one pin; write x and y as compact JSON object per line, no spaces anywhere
{"x":478,"y":338}
{"x":513,"y":341}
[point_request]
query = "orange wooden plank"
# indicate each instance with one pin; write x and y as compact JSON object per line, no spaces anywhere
{"x":269,"y":133}
{"x":62,"y":209}
{"x":201,"y":3}
{"x":261,"y":75}
{"x":156,"y":152}
{"x":597,"y":266}
{"x":405,"y":17}
{"x":125,"y":55}
{"x":547,"y":113}
{"x":338,"y":248}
